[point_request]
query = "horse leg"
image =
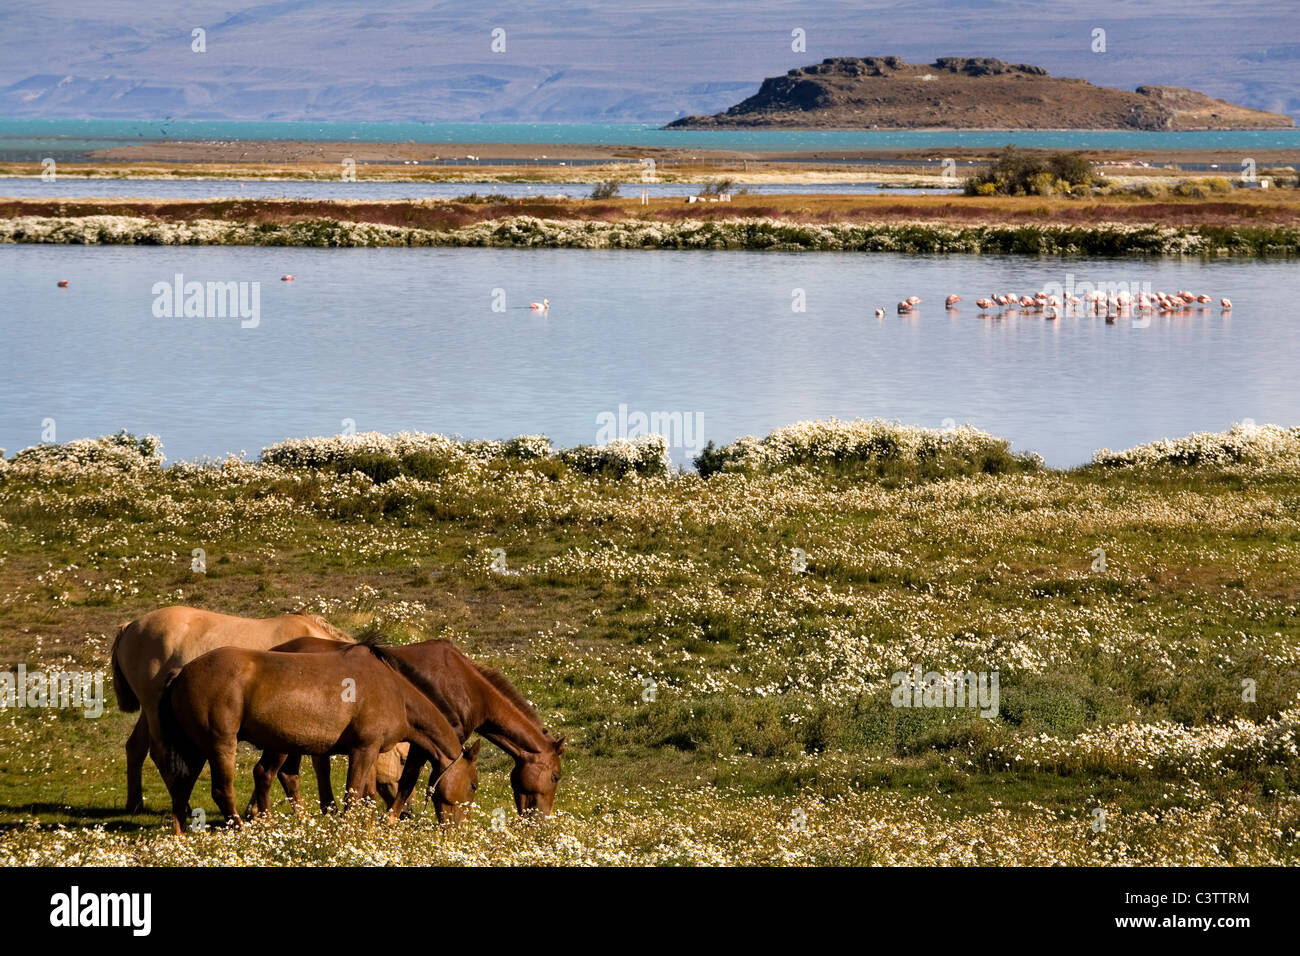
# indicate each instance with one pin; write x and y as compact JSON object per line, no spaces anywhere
{"x":137,"y":749}
{"x":263,"y":777}
{"x":361,"y":773}
{"x":324,"y":786}
{"x":158,"y":751}
{"x":223,"y":779}
{"x":415,"y":761}
{"x":289,"y":776}
{"x":180,"y":788}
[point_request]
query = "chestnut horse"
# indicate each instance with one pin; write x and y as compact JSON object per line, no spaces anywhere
{"x":473,"y":698}
{"x":151,"y":649}
{"x":360,"y":702}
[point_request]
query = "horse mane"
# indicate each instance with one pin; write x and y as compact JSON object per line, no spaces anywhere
{"x":383,"y":652}
{"x":493,"y":677}
{"x":498,"y":680}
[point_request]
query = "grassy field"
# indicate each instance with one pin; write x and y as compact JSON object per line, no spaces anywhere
{"x":727,"y":697}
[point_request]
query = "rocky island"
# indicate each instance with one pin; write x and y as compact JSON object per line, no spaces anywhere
{"x":885,"y":92}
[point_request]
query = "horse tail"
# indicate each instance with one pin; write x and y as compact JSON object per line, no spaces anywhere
{"x":337,"y":633}
{"x":182,"y":756}
{"x":127,"y":701}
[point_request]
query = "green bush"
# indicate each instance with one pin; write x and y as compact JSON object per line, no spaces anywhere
{"x":476,"y":200}
{"x":1018,"y":173}
{"x":1150,"y":190}
{"x":645,"y":455}
{"x":871,"y":450}
{"x":717,"y":187}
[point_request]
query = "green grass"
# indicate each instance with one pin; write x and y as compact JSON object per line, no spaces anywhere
{"x":771,"y":691}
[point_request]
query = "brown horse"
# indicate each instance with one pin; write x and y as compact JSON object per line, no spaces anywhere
{"x":151,"y":650}
{"x":360,"y":702}
{"x":473,"y":698}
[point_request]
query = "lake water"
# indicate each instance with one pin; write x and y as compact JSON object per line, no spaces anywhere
{"x":66,"y":187}
{"x":31,"y":139}
{"x":407,"y":339}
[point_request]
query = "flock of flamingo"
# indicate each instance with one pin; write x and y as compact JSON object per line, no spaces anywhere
{"x":1113,"y":305}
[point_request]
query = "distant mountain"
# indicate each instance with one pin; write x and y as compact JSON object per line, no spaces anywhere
{"x":969,"y":93}
{"x":588,"y":60}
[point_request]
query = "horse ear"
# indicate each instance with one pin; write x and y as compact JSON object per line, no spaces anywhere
{"x":472,"y":750}
{"x":559,"y":746}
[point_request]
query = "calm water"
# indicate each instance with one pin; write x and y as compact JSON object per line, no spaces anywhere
{"x":67,"y":187}
{"x":34,"y":138}
{"x":401,"y":338}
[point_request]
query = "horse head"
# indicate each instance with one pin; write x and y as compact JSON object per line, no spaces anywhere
{"x":536,"y":776}
{"x":454,"y":790}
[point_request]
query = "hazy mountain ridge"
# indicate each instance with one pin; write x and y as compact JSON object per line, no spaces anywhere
{"x":576,"y":61}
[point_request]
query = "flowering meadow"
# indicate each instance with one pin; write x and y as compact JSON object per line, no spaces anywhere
{"x":765,"y":233}
{"x":721,"y":648}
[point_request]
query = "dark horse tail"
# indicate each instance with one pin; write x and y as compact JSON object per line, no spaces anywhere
{"x":127,"y":701}
{"x":182,"y":756}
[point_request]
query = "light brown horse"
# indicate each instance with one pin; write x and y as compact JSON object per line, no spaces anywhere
{"x":359,"y":702}
{"x":473,"y":698}
{"x":151,"y":650}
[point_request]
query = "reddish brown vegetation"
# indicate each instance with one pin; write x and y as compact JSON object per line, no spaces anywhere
{"x":1278,"y":210}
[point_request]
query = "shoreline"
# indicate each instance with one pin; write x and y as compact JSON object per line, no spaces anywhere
{"x":779,"y":128}
{"x":1251,"y":226}
{"x":758,"y":235}
{"x":647,"y":454}
{"x":298,"y":159}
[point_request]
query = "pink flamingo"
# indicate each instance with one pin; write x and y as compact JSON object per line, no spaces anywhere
{"x":951,"y":301}
{"x":542,"y":306}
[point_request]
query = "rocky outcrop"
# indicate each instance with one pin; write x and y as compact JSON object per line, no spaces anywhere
{"x":886,"y":92}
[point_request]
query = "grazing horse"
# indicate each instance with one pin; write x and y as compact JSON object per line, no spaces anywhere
{"x":360,"y":702}
{"x":151,"y":650}
{"x":473,"y":698}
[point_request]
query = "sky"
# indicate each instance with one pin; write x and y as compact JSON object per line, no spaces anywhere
{"x":588,"y":61}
